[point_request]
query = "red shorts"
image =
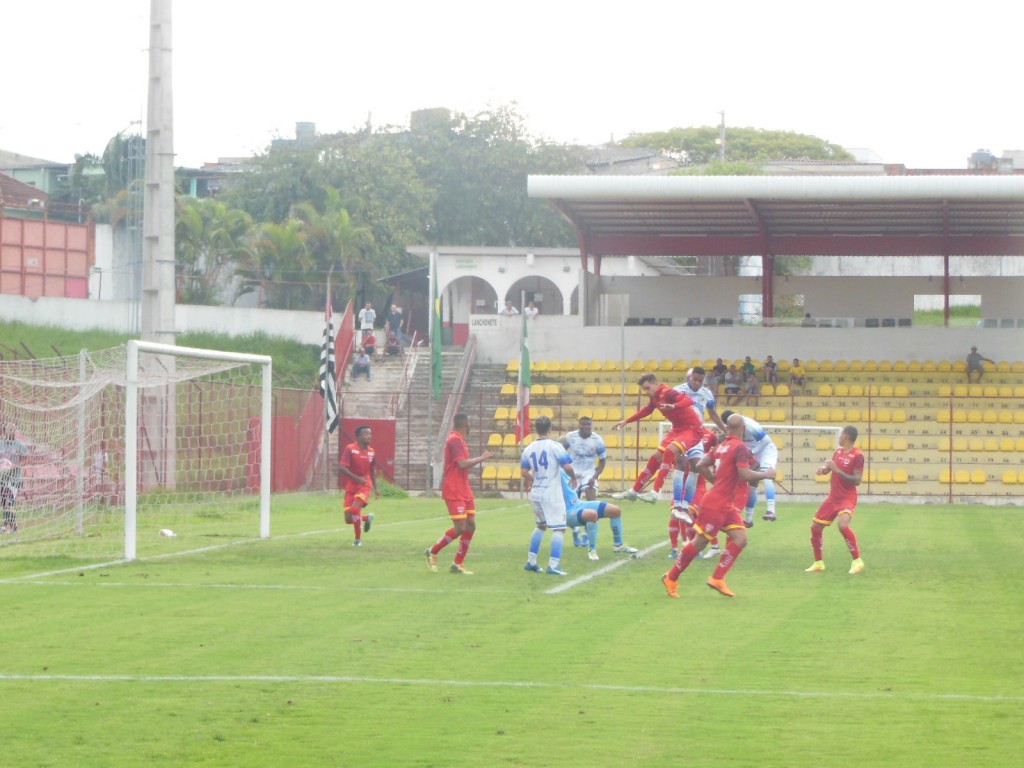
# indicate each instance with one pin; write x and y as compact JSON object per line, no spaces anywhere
{"x":460,"y":509}
{"x":355,"y":493}
{"x":711,"y":520}
{"x":831,"y":509}
{"x":684,"y":438}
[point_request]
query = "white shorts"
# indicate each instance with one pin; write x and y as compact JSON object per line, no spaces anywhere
{"x":550,"y":513}
{"x":766,"y":453}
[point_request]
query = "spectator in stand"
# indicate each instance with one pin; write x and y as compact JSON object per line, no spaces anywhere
{"x":393,"y":346}
{"x":370,"y":344}
{"x":748,"y":368}
{"x":361,"y":364}
{"x":531,"y":310}
{"x":771,"y":371}
{"x":719,"y":370}
{"x":751,"y":390}
{"x":733,"y":384}
{"x":508,"y":309}
{"x":797,"y":374}
{"x":367,"y":317}
{"x":808,"y":321}
{"x":975,"y":362}
{"x":394,"y":323}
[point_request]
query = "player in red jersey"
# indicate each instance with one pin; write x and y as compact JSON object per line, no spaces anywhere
{"x":681,"y":526}
{"x":719,"y":510}
{"x":458,"y":495}
{"x":686,"y":431}
{"x":359,"y":476}
{"x":847,"y":468}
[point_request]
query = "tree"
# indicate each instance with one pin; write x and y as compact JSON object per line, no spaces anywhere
{"x":279,"y":267}
{"x":210,"y":239}
{"x":699,"y":145}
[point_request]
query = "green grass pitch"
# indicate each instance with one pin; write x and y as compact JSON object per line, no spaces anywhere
{"x":302,"y":650}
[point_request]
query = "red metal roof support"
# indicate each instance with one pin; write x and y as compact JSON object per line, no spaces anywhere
{"x":767,"y":265}
{"x":945,"y":261}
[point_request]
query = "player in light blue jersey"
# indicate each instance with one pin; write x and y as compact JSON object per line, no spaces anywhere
{"x":587,"y":513}
{"x":588,"y":453}
{"x":684,"y":483}
{"x":541,"y":468}
{"x":767,"y":455}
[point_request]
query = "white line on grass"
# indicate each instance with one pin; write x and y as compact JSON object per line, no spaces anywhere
{"x":893,"y":695}
{"x":566,"y":585}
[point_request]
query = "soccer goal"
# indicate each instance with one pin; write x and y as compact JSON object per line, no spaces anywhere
{"x":134,"y":451}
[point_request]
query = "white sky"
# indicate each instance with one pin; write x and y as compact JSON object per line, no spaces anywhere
{"x":922,"y":85}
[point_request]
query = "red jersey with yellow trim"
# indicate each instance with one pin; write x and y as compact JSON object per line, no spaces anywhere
{"x":455,"y":484}
{"x":731,"y":454}
{"x":675,"y":406}
{"x":359,"y":462}
{"x":849,"y":462}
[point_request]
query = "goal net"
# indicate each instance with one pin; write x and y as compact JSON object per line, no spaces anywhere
{"x":133,"y":451}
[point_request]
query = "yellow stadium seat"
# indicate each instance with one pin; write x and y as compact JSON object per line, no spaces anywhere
{"x":929,"y":366}
{"x":822,"y":416}
{"x":1018,"y":416}
{"x":489,"y":474}
{"x":513,"y":366}
{"x":991,"y":390}
{"x":825,"y":366}
{"x":960,"y":390}
{"x":539,"y":365}
{"x":899,"y":366}
{"x":978,"y":477}
{"x":975,"y":390}
{"x":501,"y":413}
{"x":960,"y":444}
{"x":991,"y":444}
{"x":974,"y":417}
{"x":537,"y":390}
{"x":962,"y":476}
{"x":945,"y":390}
{"x":884,"y":365}
{"x":899,"y":443}
{"x":975,"y":445}
{"x":944,"y":444}
{"x":1018,"y":367}
{"x":856,"y":390}
{"x":593,"y":366}
{"x":783,"y":366}
{"x":585,"y":411}
{"x":885,"y":390}
{"x":852,"y":414}
{"x":615,"y":414}
{"x":600,"y":414}
{"x":553,"y":389}
{"x":508,"y":389}
{"x":856,"y":365}
{"x":605,"y":390}
{"x":504,"y":472}
{"x":825,"y":443}
{"x":840,"y":366}
{"x":494,"y":440}
{"x":509,"y":441}
{"x":884,"y":443}
{"x":811,"y":366}
{"x":555,"y":366}
{"x":900,"y":476}
{"x":1006,"y":445}
{"x":1006,"y":391}
{"x":825,"y":390}
{"x":780,"y":441}
{"x":884,"y":476}
{"x":960,"y":417}
{"x":989,"y":417}
{"x":884,"y":416}
{"x":945,"y":365}
{"x":1020,"y":444}
{"x":901,"y":390}
{"x":778,"y":416}
{"x":528,"y":439}
{"x":866,"y":443}
{"x":1010,"y":477}
{"x":841,"y":390}
{"x":942,"y":416}
{"x":613,"y":473}
{"x":899,"y":416}
{"x":1003,"y":366}
{"x":589,"y":389}
{"x":762,"y":414}
{"x":546,"y":411}
{"x":767,"y":390}
{"x":610,"y":365}
{"x":782,"y":390}
{"x":614,"y":440}
{"x":837,"y":414}
{"x":945,"y":476}
{"x":630,"y":440}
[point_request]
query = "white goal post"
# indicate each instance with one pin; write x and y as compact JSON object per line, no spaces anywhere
{"x":139,"y":450}
{"x":135,"y":377}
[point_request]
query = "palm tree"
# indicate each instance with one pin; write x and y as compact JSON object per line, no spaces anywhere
{"x":209,"y":239}
{"x":277,"y":265}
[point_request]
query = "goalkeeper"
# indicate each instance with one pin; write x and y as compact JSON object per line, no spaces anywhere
{"x":12,"y":451}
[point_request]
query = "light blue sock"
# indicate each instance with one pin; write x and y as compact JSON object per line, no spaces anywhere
{"x":616,"y":523}
{"x":690,"y":489}
{"x":751,"y":502}
{"x":677,"y":488}
{"x":769,"y":495}
{"x":557,"y":537}
{"x":535,"y":540}
{"x":592,"y":534}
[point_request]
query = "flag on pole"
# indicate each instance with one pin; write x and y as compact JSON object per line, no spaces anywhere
{"x":523,"y":392}
{"x":328,"y":372}
{"x":436,"y":359}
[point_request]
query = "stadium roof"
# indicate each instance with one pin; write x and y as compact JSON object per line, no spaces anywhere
{"x":772,"y":216}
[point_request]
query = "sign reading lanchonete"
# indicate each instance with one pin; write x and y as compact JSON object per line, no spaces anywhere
{"x":489,"y":322}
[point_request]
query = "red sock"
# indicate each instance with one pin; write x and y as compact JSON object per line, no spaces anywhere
{"x":851,"y":541}
{"x":648,"y":472}
{"x":673,"y":532}
{"x":357,"y":523}
{"x":686,"y":556}
{"x":464,"y":540}
{"x":668,"y":465}
{"x":816,"y":535}
{"x":728,"y":558}
{"x":444,"y":541}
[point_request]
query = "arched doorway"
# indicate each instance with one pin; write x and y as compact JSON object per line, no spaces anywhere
{"x":542,"y":292}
